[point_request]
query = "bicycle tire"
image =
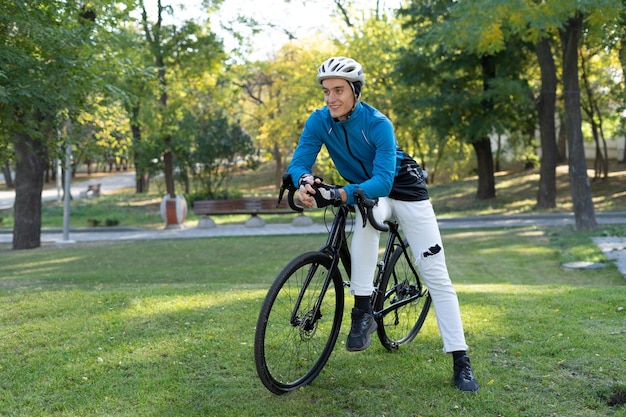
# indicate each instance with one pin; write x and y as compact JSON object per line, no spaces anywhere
{"x":403,"y":302}
{"x":290,"y":353}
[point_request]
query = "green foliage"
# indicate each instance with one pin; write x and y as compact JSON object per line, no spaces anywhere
{"x":91,"y":63}
{"x":42,"y":78}
{"x":217,"y":149}
{"x":454,"y":98}
{"x":279,"y":94}
{"x":490,"y":27}
{"x":464,"y":93}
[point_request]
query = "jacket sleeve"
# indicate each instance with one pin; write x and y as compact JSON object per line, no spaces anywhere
{"x":306,"y":151}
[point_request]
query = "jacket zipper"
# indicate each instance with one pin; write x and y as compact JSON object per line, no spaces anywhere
{"x":351,"y":154}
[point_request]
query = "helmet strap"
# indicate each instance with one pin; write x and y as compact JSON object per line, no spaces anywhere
{"x":356,"y":89}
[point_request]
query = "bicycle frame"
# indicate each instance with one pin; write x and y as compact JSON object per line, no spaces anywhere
{"x":393,"y":242}
{"x":336,"y":248}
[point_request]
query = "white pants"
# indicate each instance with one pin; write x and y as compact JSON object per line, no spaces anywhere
{"x":419,"y":224}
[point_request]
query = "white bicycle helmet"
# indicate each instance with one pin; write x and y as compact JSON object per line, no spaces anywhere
{"x":341,"y":67}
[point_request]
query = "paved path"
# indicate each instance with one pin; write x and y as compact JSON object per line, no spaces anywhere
{"x":123,"y":233}
{"x":614,"y":248}
{"x":108,"y":183}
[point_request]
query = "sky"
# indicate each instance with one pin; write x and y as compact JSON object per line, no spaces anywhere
{"x":277,"y":15}
{"x":301,"y":18}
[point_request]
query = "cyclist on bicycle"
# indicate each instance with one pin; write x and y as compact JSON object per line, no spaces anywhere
{"x":362,"y":145}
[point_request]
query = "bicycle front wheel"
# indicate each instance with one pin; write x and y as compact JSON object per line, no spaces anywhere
{"x":299,"y":323}
{"x":403,"y":302}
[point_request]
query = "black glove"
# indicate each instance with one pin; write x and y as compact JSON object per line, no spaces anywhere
{"x":326,"y":195}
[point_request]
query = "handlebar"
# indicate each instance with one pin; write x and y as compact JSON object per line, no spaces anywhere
{"x":363,"y":203}
{"x":365,"y":206}
{"x":291,"y":189}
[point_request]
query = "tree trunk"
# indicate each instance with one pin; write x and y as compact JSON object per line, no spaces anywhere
{"x":546,"y":105}
{"x":561,"y":141}
{"x":278,"y":172}
{"x":168,"y":168}
{"x":579,"y":181}
{"x":622,"y":60}
{"x":168,"y":158}
{"x":142,"y":178}
{"x":486,"y":179}
{"x":482,"y":146}
{"x":29,"y":169}
{"x":592,"y":110}
{"x":8,"y":179}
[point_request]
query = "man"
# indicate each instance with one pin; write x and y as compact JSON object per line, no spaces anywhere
{"x":361,"y":142}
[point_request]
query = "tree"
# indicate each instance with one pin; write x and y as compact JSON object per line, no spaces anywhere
{"x":259,"y":90}
{"x":622,"y":60}
{"x":495,"y":23}
{"x":462,"y":92}
{"x":278,"y":96}
{"x":155,"y":38}
{"x":568,"y":17}
{"x":604,"y":68}
{"x":218,"y":148}
{"x":176,"y":50}
{"x":42,"y":81}
{"x":130,"y":72}
{"x":595,"y":99}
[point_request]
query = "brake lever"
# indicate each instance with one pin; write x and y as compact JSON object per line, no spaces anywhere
{"x":291,"y":189}
{"x":366,"y":212}
{"x":361,"y":207}
{"x":280,"y":195}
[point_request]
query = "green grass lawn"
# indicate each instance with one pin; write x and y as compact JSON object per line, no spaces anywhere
{"x":166,"y":328}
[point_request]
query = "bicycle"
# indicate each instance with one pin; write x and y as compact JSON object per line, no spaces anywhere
{"x":300,"y":319}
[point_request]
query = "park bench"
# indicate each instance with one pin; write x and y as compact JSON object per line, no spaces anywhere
{"x":93,"y":190}
{"x":253,"y":206}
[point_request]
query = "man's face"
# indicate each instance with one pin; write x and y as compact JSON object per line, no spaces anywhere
{"x":339,"y":97}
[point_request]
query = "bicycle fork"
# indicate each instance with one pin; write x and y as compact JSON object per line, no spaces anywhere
{"x":309,"y":319}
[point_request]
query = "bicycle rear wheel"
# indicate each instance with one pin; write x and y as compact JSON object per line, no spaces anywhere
{"x":403,"y":302}
{"x":294,"y":339}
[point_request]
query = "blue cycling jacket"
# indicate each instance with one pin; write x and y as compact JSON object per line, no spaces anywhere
{"x":364,"y":151}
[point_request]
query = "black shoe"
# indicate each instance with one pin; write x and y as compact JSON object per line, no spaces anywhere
{"x":463,"y":376}
{"x":363,"y":325}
